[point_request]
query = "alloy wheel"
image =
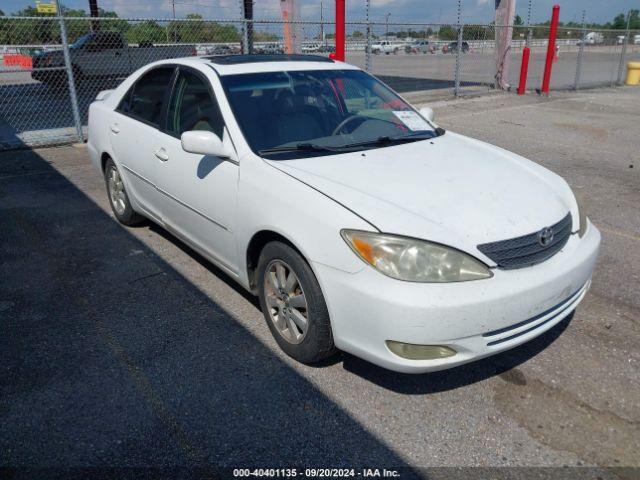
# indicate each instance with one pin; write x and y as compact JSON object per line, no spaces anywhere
{"x":286,"y":301}
{"x":117,"y":194}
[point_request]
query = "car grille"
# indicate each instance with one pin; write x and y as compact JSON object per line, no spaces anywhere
{"x":528,"y":250}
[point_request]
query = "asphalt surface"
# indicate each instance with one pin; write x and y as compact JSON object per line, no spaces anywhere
{"x":123,"y":348}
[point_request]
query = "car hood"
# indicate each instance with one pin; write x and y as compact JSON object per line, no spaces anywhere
{"x":452,"y":190}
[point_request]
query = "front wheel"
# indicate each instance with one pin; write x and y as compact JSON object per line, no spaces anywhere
{"x":293,"y":304}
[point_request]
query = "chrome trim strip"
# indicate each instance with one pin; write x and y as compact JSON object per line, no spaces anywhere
{"x":189,"y":207}
{"x":139,"y":176}
{"x":201,"y":251}
{"x":167,"y":194}
{"x":554,"y":312}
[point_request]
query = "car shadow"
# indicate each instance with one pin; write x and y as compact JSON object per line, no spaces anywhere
{"x":222,"y":275}
{"x":113,"y":359}
{"x":207,"y":164}
{"x":457,"y":377}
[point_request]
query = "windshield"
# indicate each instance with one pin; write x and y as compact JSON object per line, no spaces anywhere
{"x":328,"y":110}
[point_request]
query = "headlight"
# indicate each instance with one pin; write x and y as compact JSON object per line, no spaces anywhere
{"x":414,"y":260}
{"x":582,"y":214}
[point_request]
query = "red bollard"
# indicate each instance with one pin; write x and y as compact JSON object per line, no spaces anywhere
{"x":524,"y":68}
{"x":340,"y":33}
{"x":551,"y":49}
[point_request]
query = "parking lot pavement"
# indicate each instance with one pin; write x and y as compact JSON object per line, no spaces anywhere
{"x":122,"y":347}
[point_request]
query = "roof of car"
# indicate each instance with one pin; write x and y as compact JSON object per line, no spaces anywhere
{"x":235,"y":64}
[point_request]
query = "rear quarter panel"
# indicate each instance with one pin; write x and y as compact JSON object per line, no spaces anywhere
{"x":98,"y":133}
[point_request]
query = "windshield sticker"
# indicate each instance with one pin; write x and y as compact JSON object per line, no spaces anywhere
{"x":412,"y":120}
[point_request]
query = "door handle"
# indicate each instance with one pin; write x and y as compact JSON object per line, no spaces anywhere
{"x":114,"y":128}
{"x":161,"y":153}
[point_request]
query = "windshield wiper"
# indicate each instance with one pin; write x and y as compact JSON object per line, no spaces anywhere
{"x":385,"y":140}
{"x":300,"y":147}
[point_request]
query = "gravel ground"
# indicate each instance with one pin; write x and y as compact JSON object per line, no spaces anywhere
{"x":123,"y":348}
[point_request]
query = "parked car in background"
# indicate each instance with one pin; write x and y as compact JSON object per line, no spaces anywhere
{"x":102,"y":54}
{"x":636,"y":39}
{"x":385,"y":47}
{"x":593,"y":38}
{"x":310,"y":47}
{"x":358,"y":222}
{"x":268,"y":49}
{"x":453,"y":47}
{"x":328,"y":48}
{"x":222,"y":50}
{"x":420,"y":46}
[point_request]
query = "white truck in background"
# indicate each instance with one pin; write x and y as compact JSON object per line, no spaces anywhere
{"x":593,"y":38}
{"x":385,"y":47}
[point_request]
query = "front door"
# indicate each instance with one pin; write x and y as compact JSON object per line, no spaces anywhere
{"x":199,"y":191}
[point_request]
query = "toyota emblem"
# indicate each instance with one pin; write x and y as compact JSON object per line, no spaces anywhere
{"x":545,"y":236}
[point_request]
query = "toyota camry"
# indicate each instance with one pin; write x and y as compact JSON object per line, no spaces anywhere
{"x":361,"y":224}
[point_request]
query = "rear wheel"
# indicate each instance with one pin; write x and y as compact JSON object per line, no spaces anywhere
{"x":118,"y":198}
{"x":293,"y":304}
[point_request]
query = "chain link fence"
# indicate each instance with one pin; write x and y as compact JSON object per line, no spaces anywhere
{"x":52,"y":68}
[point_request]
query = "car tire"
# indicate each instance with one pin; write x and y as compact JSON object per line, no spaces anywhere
{"x":284,"y":300}
{"x":118,"y":197}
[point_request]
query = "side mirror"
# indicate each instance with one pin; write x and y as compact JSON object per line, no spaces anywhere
{"x":204,"y":143}
{"x":427,"y":112}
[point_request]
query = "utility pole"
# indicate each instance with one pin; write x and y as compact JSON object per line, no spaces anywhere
{"x":174,"y":27}
{"x":387,"y":22}
{"x":529,"y":29}
{"x":322,"y":24}
{"x":71,"y":82}
{"x":247,"y":30}
{"x":94,"y":13}
{"x":583,"y":32}
{"x":623,"y":53}
{"x":367,"y":57}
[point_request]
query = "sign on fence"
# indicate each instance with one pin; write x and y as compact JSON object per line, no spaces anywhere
{"x":46,"y":7}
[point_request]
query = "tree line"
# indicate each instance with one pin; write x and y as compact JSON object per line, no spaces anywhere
{"x":538,"y":30}
{"x":194,"y":29}
{"x":45,"y":29}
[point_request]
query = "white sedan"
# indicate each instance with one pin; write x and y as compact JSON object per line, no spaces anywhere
{"x":360,"y":224}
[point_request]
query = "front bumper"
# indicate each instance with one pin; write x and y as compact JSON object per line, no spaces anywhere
{"x":477,"y":318}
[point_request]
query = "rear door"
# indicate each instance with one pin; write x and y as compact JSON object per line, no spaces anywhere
{"x":199,"y":191}
{"x":134,"y":134}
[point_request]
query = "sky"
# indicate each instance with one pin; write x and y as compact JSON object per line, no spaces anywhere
{"x":428,"y":11}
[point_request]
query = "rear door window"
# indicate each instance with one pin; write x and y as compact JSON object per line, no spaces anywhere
{"x":145,"y":99}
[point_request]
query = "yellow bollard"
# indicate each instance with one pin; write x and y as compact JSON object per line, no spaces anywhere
{"x":633,"y":73}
